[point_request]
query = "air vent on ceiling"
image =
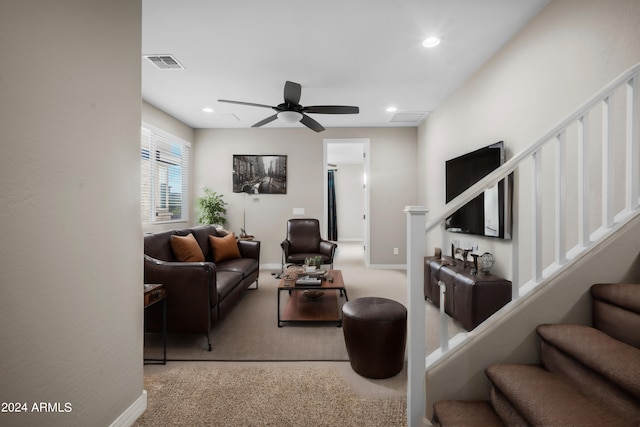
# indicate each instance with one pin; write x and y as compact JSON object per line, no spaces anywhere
{"x":165,"y":62}
{"x":409,"y":116}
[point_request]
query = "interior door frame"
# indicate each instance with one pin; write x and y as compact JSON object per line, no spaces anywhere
{"x":366,"y":166}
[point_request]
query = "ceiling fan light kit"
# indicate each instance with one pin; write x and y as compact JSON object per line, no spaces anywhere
{"x":291,"y":111}
{"x":431,"y":42}
{"x":290,"y":116}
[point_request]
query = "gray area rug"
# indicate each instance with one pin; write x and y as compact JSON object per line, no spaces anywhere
{"x":190,"y":395}
{"x":250,"y":331}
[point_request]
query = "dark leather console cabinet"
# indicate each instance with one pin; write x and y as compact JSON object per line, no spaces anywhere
{"x":469,"y":298}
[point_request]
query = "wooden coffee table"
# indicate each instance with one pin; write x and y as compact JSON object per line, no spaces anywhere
{"x":301,"y":308}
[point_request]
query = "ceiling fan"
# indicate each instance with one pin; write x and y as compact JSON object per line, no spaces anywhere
{"x":291,"y":111}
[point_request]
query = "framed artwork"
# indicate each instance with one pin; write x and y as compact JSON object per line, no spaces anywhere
{"x":260,"y":174}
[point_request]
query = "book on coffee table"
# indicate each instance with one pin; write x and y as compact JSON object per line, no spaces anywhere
{"x":308,"y":281}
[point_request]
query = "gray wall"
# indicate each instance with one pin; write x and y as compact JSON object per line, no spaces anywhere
{"x":563,"y":56}
{"x":392,"y":182}
{"x":71,"y":302}
{"x":570,"y":50}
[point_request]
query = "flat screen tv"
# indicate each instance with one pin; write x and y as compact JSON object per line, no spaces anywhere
{"x":489,"y":214}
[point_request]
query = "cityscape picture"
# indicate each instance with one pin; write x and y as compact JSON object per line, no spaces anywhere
{"x":260,"y":174}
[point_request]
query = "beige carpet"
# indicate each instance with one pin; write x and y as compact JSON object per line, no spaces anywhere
{"x":269,"y":394}
{"x":240,"y":392}
{"x":250,"y":332}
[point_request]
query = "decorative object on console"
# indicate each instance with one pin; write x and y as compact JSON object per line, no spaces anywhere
{"x":475,"y":257}
{"x":458,"y":250}
{"x":486,"y":262}
{"x":465,"y":253}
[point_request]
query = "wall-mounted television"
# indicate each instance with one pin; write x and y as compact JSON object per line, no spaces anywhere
{"x":489,"y":214}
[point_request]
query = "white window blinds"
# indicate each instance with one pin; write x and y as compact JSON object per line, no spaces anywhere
{"x":164,"y":176}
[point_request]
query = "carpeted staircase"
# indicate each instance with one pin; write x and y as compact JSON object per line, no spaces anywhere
{"x":588,"y":376}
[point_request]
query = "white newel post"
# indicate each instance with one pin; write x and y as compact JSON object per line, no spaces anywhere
{"x":416,"y":342}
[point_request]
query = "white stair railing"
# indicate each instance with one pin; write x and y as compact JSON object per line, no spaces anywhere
{"x":617,"y":105}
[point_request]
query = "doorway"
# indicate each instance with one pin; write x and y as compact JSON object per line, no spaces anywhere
{"x":348,"y":160}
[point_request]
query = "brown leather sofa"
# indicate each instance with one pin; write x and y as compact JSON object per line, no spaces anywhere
{"x":198,"y":293}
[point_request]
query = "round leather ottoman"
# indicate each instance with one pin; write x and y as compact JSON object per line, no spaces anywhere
{"x":375,"y":333}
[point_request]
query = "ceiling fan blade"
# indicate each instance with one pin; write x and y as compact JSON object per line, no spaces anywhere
{"x":311,"y":123}
{"x":292,"y":93}
{"x":331,"y":109}
{"x":251,"y":104}
{"x":265,"y":121}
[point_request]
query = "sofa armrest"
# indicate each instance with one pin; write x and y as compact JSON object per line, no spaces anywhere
{"x":186,"y":282}
{"x":249,"y":248}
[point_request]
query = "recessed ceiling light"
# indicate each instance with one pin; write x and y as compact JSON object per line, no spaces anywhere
{"x":431,"y":42}
{"x":391,"y":109}
{"x":207,"y":110}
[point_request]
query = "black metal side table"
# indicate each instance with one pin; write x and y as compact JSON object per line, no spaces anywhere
{"x":154,"y":294}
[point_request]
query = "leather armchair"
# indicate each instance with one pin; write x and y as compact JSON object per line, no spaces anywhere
{"x":303,"y":240}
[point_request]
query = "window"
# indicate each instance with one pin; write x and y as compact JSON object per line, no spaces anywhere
{"x":164,"y":176}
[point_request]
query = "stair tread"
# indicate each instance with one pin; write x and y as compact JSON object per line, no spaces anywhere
{"x":621,"y":294}
{"x":543,"y":398}
{"x":615,"y":360}
{"x":467,"y":413}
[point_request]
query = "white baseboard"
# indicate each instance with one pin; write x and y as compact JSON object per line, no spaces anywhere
{"x":133,"y":412}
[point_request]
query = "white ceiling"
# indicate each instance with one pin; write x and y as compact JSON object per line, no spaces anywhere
{"x":366,"y":53}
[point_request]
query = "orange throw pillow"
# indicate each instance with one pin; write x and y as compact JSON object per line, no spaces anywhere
{"x":224,"y":247}
{"x":186,"y":248}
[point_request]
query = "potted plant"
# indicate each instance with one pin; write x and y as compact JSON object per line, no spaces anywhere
{"x":211,"y":208}
{"x":312,"y":263}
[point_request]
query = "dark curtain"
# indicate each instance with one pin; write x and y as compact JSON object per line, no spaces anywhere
{"x":332,"y":220}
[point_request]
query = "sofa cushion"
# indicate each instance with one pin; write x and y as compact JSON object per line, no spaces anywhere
{"x":158,"y":245}
{"x":224,"y":247}
{"x":226,"y":282}
{"x":244,"y":266}
{"x":202,"y":233}
{"x":186,"y":248}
